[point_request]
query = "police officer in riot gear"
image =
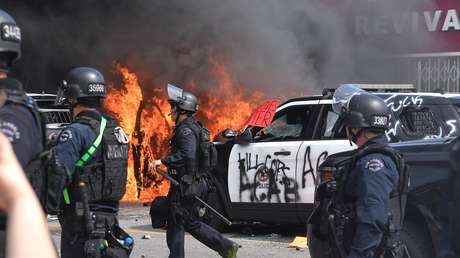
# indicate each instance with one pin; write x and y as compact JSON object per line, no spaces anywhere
{"x":360,"y":207}
{"x":94,"y":150}
{"x":20,"y":121}
{"x":19,"y":118}
{"x":183,"y":163}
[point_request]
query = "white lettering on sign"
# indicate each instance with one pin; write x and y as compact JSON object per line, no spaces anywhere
{"x":11,"y":32}
{"x":405,"y":22}
{"x":432,"y":21}
{"x":415,"y":21}
{"x":362,"y":25}
{"x":451,"y":21}
{"x":400,"y":22}
{"x":380,"y":25}
{"x":96,"y":88}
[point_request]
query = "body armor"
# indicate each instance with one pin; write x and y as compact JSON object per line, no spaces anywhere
{"x":105,"y":178}
{"x":332,"y":221}
{"x":207,"y":154}
{"x":196,"y":177}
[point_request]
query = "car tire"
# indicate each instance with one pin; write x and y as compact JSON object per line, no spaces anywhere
{"x":212,"y":219}
{"x":417,"y":241}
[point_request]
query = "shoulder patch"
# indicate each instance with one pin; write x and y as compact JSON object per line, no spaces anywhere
{"x":10,"y":130}
{"x":65,"y":135}
{"x":186,"y":131}
{"x":374,"y":165}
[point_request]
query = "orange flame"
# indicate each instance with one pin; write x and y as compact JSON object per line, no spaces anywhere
{"x":229,"y":104}
{"x":149,"y":128}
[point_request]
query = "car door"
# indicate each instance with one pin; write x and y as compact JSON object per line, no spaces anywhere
{"x":262,"y":174}
{"x":328,"y":138}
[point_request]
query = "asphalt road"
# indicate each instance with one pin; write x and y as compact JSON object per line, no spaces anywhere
{"x":256,"y":241}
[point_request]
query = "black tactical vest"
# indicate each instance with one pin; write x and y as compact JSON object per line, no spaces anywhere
{"x":334,"y":214}
{"x":105,"y":178}
{"x":207,"y":153}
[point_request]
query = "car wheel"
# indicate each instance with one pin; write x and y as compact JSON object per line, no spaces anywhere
{"x":417,"y":241}
{"x":212,"y":219}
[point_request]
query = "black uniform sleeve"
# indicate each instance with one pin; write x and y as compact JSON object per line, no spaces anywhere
{"x":184,"y":150}
{"x":20,"y":129}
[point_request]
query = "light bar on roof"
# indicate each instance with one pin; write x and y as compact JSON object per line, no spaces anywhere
{"x":385,"y":86}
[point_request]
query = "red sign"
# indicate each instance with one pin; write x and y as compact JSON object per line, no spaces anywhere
{"x":263,"y":115}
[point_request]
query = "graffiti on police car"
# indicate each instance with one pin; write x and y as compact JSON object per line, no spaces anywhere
{"x":393,"y":130}
{"x":308,"y":167}
{"x":397,"y":105}
{"x":269,"y":179}
{"x":266,"y":178}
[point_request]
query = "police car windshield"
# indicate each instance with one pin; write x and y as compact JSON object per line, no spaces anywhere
{"x":287,"y":124}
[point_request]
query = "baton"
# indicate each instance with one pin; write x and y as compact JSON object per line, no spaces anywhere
{"x":175,"y":183}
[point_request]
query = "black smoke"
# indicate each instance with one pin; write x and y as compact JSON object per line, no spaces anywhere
{"x":295,"y":45}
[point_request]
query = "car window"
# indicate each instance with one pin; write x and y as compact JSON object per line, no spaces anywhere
{"x":331,"y":129}
{"x":420,"y":122}
{"x":428,"y":121}
{"x":331,"y":120}
{"x":288,"y":124}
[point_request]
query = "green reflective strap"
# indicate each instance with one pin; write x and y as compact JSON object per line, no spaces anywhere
{"x":88,"y":154}
{"x":66,"y":196}
{"x":94,"y":146}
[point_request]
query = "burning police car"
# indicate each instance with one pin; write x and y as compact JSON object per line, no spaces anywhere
{"x":272,"y":177}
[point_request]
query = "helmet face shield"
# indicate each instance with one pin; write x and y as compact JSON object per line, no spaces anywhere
{"x":174,"y":93}
{"x":359,"y":108}
{"x":183,"y":100}
{"x":343,"y":95}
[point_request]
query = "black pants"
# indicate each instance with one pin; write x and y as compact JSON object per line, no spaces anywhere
{"x":72,"y":242}
{"x":182,"y":218}
{"x":2,"y":243}
{"x":73,"y":236}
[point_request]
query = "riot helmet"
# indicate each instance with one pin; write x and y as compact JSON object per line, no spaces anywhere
{"x":82,"y":84}
{"x":360,"y":109}
{"x":10,"y":40}
{"x":185,"y":101}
